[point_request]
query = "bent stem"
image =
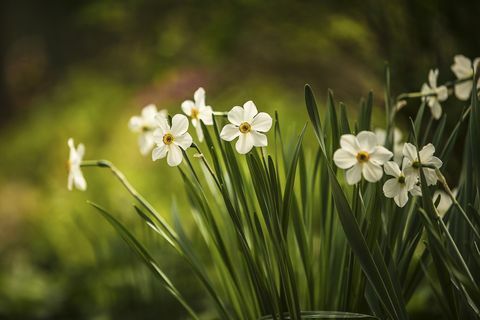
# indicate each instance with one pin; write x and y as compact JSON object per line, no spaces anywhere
{"x":448,"y":84}
{"x":445,"y":185}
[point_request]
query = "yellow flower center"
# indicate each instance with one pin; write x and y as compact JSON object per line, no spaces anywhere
{"x":245,"y":127}
{"x":194,"y":113}
{"x":363,"y":156}
{"x":168,"y":139}
{"x":401,"y":179}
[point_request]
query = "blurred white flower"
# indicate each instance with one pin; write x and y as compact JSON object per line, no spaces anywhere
{"x":463,"y":69}
{"x":247,"y":124}
{"x":412,"y":164}
{"x":445,"y":201}
{"x":397,"y":141}
{"x":144,"y":125}
{"x":198,"y":111}
{"x":171,"y":140}
{"x":361,"y":154}
{"x":400,"y":185}
{"x":434,"y":94}
{"x":75,"y":175}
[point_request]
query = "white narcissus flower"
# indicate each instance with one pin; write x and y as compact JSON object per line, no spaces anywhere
{"x":434,"y":94}
{"x":171,"y":140}
{"x":412,"y":164}
{"x":463,"y":69}
{"x":198,"y":111}
{"x":247,"y":124}
{"x":144,"y":125}
{"x":361,"y":154}
{"x":397,"y":141}
{"x":400,"y":185}
{"x":75,"y":175}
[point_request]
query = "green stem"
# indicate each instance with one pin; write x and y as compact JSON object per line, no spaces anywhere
{"x":445,"y":185}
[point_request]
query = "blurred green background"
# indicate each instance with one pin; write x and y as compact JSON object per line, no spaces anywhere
{"x":82,"y":68}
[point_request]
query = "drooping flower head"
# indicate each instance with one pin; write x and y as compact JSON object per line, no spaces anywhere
{"x":144,"y":125}
{"x":171,"y":140}
{"x":75,"y":175}
{"x":434,"y":94}
{"x":198,"y":111}
{"x":361,"y":155}
{"x":247,"y":124}
{"x":463,"y":69}
{"x":445,"y":201}
{"x":400,"y":185}
{"x":413,"y":164}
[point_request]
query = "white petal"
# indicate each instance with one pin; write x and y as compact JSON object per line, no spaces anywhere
{"x":462,"y":66}
{"x":372,"y":172}
{"x":174,"y":155}
{"x":410,"y":151}
{"x":259,"y":139}
{"x":425,"y":89}
{"x":430,"y":176}
{"x":344,"y":159}
{"x":416,"y":191}
{"x":199,"y":97}
{"x":199,"y":130}
{"x":80,"y":151}
{"x":442,"y":93}
{"x":432,"y":78}
{"x":391,"y":188}
{"x":79,"y":180}
{"x":187,"y":107}
{"x":380,"y":155}
{"x":349,"y":142}
{"x":250,"y":111}
{"x":179,"y":125}
{"x":159,"y":152}
{"x":229,"y":132}
{"x":410,"y":181}
{"x":402,"y":198}
{"x":135,"y":124}
{"x":426,"y":153}
{"x":435,"y":162}
{"x":235,"y":115}
{"x":244,"y":143}
{"x":205,"y":114}
{"x":354,"y":174}
{"x":262,"y":122}
{"x":463,"y":90}
{"x":367,"y":141}
{"x":184,"y":141}
{"x":146,"y":142}
{"x":149,"y":111}
{"x":70,"y":180}
{"x":436,"y":109}
{"x":162,"y":124}
{"x":392,"y":169}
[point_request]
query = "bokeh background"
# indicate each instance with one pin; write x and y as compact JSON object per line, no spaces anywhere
{"x":82,"y":68}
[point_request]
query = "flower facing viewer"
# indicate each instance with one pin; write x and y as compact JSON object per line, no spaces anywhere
{"x":361,"y":155}
{"x":247,"y":124}
{"x":75,"y":175}
{"x":463,"y":69}
{"x":171,"y":140}
{"x":198,"y":111}
{"x":400,"y":185}
{"x":412,"y":163}
{"x":434,"y":94}
{"x":144,"y":125}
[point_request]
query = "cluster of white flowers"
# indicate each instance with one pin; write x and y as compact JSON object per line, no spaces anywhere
{"x":433,"y":95}
{"x":364,"y":155}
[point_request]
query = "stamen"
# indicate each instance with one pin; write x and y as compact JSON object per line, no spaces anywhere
{"x":416,"y":164}
{"x":245,"y":127}
{"x":401,"y":179}
{"x":194,"y":113}
{"x":168,"y":138}
{"x":363,"y":156}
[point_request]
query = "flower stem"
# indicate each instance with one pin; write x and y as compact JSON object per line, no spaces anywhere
{"x":448,"y":84}
{"x":445,"y":185}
